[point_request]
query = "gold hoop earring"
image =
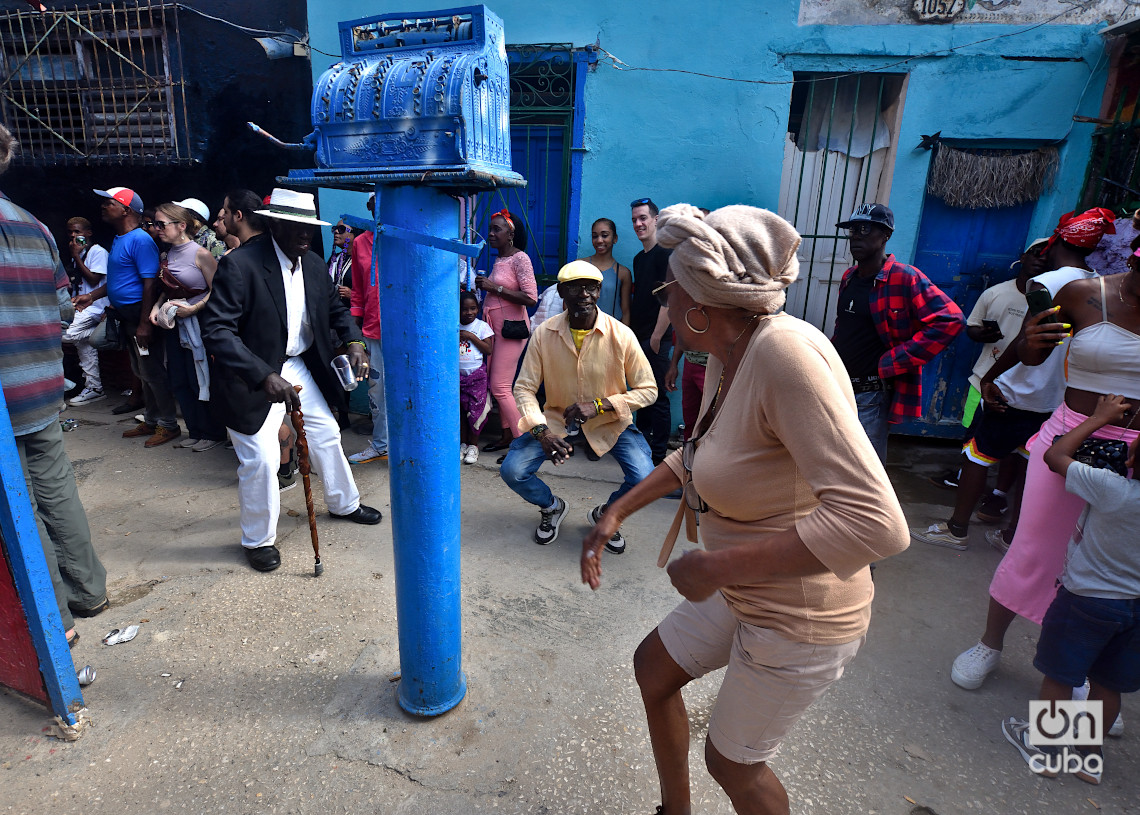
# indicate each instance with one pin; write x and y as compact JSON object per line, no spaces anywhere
{"x":689,"y":325}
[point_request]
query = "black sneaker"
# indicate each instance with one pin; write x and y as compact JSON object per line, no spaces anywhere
{"x":947,"y":479}
{"x":993,"y":508}
{"x":547,"y":531}
{"x":287,"y":476}
{"x":616,"y":544}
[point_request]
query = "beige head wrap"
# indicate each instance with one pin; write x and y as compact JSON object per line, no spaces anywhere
{"x":735,"y":257}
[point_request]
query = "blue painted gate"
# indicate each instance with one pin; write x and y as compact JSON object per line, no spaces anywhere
{"x":964,"y":252}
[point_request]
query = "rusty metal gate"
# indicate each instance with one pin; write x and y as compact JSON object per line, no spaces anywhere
{"x":95,"y":85}
{"x":839,"y":151}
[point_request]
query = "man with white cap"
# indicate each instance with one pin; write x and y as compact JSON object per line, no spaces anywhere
{"x":267,"y":327}
{"x":205,"y":237}
{"x":595,"y":375}
{"x":132,"y":288}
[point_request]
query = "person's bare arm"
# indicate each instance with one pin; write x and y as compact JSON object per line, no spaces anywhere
{"x":625,"y":282}
{"x":659,"y":330}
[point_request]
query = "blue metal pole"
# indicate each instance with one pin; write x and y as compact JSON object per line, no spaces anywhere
{"x":33,"y":582}
{"x":419,"y":313}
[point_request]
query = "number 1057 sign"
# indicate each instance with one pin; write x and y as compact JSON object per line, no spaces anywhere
{"x":937,"y":11}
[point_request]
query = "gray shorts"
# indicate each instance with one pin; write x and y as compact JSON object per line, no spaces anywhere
{"x":770,"y":680}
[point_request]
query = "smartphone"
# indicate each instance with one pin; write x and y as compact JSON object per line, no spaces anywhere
{"x":1038,"y":300}
{"x":990,"y":325}
{"x":143,"y":352}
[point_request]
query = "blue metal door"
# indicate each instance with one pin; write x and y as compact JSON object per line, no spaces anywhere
{"x":964,"y":252}
{"x":539,"y":153}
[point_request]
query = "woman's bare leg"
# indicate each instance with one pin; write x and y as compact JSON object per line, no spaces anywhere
{"x":661,"y":680}
{"x":752,"y":788}
{"x":998,"y":620}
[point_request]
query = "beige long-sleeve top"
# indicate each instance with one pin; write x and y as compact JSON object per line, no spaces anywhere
{"x":611,"y":365}
{"x":786,"y":449}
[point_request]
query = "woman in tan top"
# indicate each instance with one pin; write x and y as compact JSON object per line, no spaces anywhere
{"x":793,"y":505}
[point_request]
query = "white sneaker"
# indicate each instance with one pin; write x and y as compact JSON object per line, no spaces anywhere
{"x":472,"y":455}
{"x":1117,"y":729}
{"x":996,"y":539}
{"x":940,"y":535}
{"x":87,"y":395}
{"x":463,"y":451}
{"x":1081,"y":694}
{"x":972,"y":667}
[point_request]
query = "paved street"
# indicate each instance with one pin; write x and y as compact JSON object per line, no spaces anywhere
{"x":287,"y":699}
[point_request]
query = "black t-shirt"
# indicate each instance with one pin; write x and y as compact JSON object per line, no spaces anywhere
{"x":856,"y":338}
{"x":649,"y":270}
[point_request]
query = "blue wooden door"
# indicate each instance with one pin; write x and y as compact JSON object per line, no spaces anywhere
{"x":964,"y":252}
{"x":539,"y":153}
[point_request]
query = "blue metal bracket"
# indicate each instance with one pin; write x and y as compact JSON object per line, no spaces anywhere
{"x":471,"y":250}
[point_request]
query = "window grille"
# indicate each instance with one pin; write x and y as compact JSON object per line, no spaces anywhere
{"x":96,"y":85}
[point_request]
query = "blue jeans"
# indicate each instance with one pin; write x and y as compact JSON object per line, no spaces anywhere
{"x":376,"y":395}
{"x":526,"y":455}
{"x":874,"y":408}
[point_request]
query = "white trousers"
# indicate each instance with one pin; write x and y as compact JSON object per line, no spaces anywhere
{"x":259,"y":456}
{"x":82,"y":327}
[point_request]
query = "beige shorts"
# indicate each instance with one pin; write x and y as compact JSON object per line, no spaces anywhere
{"x":770,"y":680}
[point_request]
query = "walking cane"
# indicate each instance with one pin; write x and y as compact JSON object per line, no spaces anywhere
{"x":298,"y":420}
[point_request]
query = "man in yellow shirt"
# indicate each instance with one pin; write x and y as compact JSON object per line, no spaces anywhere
{"x":595,"y":375}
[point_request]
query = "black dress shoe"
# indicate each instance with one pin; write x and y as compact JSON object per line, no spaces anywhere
{"x":264,"y":558}
{"x":363,"y":515}
{"x":495,"y":446}
{"x":126,"y":407}
{"x":98,"y":608}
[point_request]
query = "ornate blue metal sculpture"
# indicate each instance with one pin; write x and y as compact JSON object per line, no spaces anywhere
{"x":416,"y":92}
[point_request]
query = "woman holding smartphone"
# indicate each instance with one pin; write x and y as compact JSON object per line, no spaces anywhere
{"x":1100,"y":319}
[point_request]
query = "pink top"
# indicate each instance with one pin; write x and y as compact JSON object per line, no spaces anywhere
{"x":515,"y":273}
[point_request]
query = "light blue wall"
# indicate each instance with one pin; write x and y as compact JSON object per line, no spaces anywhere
{"x":679,"y":137}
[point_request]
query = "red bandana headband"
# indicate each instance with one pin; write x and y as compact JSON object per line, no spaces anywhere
{"x":506,"y":216}
{"x":1084,"y":230}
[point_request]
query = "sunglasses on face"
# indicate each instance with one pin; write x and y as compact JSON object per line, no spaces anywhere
{"x":576,"y":289}
{"x":662,"y":295}
{"x":860,"y":229}
{"x":148,"y":224}
{"x":339,"y":230}
{"x":164,"y":224}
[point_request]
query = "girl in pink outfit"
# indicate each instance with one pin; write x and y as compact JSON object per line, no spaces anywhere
{"x":511,"y":289}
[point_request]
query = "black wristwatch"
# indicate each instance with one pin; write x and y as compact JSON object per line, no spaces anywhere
{"x":538,"y":430}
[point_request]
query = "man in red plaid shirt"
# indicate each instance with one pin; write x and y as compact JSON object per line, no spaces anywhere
{"x":890,"y":321}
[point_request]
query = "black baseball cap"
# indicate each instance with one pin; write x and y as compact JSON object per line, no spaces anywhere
{"x":870,"y":213}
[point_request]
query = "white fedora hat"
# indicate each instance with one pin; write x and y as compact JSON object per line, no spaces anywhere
{"x":290,"y":205}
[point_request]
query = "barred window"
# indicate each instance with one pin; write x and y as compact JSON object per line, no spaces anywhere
{"x":94,"y":85}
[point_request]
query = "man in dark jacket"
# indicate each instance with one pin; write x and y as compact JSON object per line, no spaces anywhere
{"x":267,"y":328}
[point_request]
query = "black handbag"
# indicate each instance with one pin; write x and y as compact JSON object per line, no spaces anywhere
{"x":514,"y":330}
{"x":1102,"y":454}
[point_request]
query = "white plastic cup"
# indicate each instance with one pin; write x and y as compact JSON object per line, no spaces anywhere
{"x":343,"y":370}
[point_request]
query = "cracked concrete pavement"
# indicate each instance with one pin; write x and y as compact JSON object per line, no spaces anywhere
{"x":287,"y":699}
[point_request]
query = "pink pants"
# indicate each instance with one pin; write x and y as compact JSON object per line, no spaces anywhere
{"x":501,"y":374}
{"x":1026,"y":579}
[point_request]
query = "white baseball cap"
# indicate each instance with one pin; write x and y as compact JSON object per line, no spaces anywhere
{"x":197,"y":206}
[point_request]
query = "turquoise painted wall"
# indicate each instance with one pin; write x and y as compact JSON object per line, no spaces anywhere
{"x":679,"y":137}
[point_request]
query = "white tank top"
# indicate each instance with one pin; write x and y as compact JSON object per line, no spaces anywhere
{"x":1105,"y":358}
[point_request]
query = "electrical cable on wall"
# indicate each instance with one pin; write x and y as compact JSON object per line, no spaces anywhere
{"x":279,"y":36}
{"x":620,"y":65}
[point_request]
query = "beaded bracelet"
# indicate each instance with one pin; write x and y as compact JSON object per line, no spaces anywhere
{"x":598,"y":406}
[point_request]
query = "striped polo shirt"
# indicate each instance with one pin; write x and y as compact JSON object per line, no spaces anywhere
{"x":31,"y":357}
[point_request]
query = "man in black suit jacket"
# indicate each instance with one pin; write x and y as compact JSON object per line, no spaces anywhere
{"x":266,"y":328}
